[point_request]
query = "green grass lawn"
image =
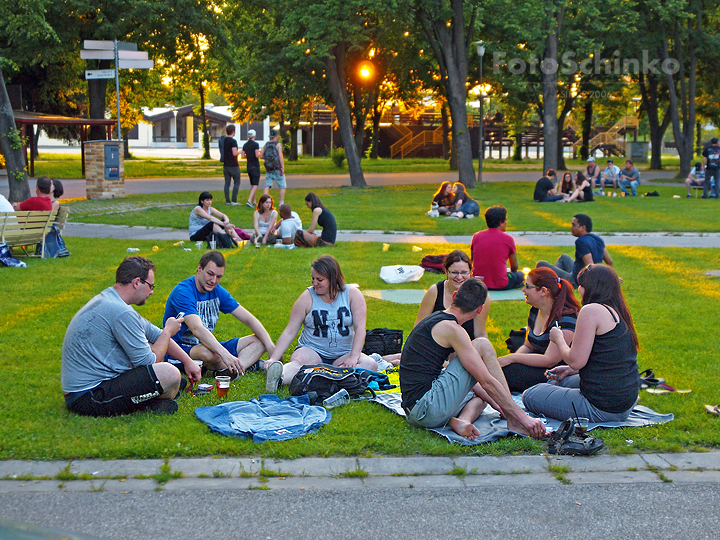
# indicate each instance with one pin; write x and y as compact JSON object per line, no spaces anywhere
{"x":58,"y":165}
{"x":402,"y":208}
{"x":669,"y":295}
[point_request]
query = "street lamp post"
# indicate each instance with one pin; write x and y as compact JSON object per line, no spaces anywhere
{"x":481,"y":53}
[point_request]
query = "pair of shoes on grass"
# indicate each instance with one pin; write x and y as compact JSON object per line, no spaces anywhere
{"x":566,"y":441}
{"x":713,"y":409}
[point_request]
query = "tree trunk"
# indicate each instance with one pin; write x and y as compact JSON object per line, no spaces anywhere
{"x":517,"y":153}
{"x":445,"y":132}
{"x":450,"y":46}
{"x":586,"y":130}
{"x":293,"y":143}
{"x":377,"y":115}
{"x":549,"y":83}
{"x":126,"y":143}
{"x":649,"y":96}
{"x":205,"y":135}
{"x":567,"y":107}
{"x":686,"y":103}
{"x":97,"y":89}
{"x":337,"y":79}
{"x":11,"y":148}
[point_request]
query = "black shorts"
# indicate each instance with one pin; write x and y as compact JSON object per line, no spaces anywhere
{"x":254,"y":175}
{"x":128,"y":392}
{"x":202,"y":234}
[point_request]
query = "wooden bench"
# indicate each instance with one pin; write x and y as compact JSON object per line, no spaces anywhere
{"x":23,"y":229}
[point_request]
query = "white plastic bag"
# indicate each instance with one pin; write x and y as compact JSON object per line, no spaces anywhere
{"x":401,"y":273}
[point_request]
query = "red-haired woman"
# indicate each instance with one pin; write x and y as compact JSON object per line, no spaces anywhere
{"x":444,"y":198}
{"x":553,"y":304}
{"x":600,"y":380}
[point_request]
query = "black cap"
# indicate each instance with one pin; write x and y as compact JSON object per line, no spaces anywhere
{"x":714,"y":140}
{"x":273,"y":133}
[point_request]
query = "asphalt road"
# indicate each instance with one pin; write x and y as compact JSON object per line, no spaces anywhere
{"x":657,"y":511}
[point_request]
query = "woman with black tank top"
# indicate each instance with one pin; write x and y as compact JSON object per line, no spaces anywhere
{"x":601,"y":376}
{"x":553,"y":304}
{"x":458,"y":268}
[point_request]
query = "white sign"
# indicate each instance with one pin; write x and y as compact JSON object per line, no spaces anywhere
{"x":110,"y":55}
{"x":100,"y":74}
{"x":135,"y":64}
{"x":108,"y":45}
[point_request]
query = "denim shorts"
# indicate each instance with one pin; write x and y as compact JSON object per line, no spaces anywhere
{"x":229,"y":345}
{"x":277,"y":176}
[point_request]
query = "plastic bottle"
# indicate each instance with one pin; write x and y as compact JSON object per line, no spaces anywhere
{"x":337,"y":399}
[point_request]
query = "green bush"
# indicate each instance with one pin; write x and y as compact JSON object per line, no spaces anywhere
{"x":338,"y":157}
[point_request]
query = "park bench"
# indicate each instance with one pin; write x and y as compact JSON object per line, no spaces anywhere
{"x":24,"y":229}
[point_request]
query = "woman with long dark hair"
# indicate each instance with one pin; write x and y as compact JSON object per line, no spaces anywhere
{"x":553,"y":304}
{"x":465,"y":205}
{"x":444,"y":198}
{"x":600,"y":381}
{"x":322,"y":217}
{"x":205,"y":220}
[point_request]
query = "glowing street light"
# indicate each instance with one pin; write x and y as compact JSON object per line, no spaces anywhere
{"x":366,"y":70}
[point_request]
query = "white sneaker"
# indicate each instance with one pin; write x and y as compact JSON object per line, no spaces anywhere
{"x":470,"y":216}
{"x":273,"y":378}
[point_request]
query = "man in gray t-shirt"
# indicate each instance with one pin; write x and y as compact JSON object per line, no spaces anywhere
{"x":112,"y":358}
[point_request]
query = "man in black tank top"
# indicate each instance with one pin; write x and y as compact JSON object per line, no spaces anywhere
{"x":433,"y":397}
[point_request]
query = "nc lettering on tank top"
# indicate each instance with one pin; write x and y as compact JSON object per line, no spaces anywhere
{"x":330,"y":329}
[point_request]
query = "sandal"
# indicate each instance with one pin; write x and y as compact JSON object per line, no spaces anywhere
{"x":666,"y":389}
{"x":648,"y":379}
{"x":565,"y":442}
{"x":713,"y":409}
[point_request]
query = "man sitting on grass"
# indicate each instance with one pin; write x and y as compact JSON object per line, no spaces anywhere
{"x":112,"y":358}
{"x":433,"y":397}
{"x":201,"y":298}
{"x":288,"y":226}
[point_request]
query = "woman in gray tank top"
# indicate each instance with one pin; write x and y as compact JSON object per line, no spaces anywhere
{"x":332,"y":316}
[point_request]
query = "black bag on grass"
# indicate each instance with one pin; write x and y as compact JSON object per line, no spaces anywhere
{"x":516,"y":339}
{"x":222,"y":240}
{"x":383,"y":341}
{"x":433,"y":263}
{"x":320,"y":381}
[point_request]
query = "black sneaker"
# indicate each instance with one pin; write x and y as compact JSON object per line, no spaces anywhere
{"x":162,"y":406}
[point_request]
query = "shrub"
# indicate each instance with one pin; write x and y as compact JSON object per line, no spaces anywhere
{"x":338,"y":157}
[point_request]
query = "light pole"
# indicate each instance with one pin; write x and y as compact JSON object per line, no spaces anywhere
{"x":481,"y":53}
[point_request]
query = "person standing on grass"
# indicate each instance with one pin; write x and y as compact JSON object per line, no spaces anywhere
{"x":274,"y":164}
{"x":201,"y":298}
{"x":251,"y":152}
{"x":492,"y":250}
{"x":433,"y":397}
{"x":589,"y":248}
{"x":112,"y":358}
{"x":711,"y":160}
{"x":231,"y":167}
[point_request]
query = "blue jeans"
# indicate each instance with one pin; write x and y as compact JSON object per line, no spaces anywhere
{"x":557,"y":399}
{"x":552,"y":198}
{"x":633,"y":184}
{"x":470,"y":207}
{"x":711,"y":182}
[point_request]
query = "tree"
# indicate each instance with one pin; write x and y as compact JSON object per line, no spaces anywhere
{"x":444,"y":24}
{"x":23,"y":32}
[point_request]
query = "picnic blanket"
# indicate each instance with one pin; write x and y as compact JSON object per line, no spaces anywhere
{"x":492,"y":427}
{"x":266,"y":418}
{"x":415,"y":296}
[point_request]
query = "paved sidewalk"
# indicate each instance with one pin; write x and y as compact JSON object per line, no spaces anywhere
{"x":522,"y":238}
{"x":357,"y":473}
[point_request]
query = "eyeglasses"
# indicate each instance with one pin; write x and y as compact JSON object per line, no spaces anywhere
{"x":528,"y":287}
{"x":574,"y":225}
{"x":151,"y":285}
{"x":455,"y":273}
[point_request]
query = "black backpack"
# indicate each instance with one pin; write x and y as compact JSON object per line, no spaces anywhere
{"x":320,"y":381}
{"x":222,"y":240}
{"x":221,"y":146}
{"x":271,"y":156}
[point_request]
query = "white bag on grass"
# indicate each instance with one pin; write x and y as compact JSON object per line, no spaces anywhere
{"x":401,"y":273}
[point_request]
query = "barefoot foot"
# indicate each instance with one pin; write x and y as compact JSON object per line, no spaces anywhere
{"x":464,"y":428}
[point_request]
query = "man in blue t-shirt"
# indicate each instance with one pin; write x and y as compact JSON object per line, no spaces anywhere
{"x":589,"y":249}
{"x":202,"y":299}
